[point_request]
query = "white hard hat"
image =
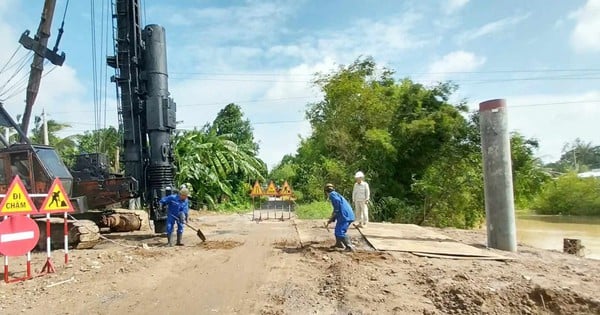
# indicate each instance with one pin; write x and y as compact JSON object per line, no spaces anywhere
{"x":183,"y":186}
{"x":359,"y":174}
{"x":184,"y":191}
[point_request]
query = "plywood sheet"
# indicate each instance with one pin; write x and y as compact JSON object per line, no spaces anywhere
{"x":415,"y":239}
{"x":462,"y":257}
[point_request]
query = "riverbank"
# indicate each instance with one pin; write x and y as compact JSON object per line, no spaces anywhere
{"x":261,"y":268}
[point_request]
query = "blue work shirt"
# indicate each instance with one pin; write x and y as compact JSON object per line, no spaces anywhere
{"x":342,"y":211}
{"x":175,"y":205}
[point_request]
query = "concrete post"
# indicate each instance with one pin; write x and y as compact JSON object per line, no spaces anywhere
{"x":45,"y":127}
{"x":497,"y":174}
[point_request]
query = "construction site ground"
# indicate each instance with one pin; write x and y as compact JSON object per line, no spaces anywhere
{"x":262,"y":268}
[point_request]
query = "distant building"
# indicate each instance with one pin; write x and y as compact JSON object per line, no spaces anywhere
{"x":593,"y":173}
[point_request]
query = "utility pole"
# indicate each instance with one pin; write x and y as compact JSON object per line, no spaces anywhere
{"x":117,"y":159}
{"x":38,"y":45}
{"x":497,"y":174}
{"x":45,"y":127}
{"x":7,"y":134}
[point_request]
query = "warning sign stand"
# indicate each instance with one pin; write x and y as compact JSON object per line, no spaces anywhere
{"x":48,"y":265}
{"x":56,"y":201}
{"x":18,"y":234}
{"x":256,"y":192}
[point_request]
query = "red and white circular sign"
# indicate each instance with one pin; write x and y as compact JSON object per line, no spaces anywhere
{"x":18,"y":235}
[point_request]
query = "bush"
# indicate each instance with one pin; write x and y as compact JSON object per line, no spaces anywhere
{"x":395,"y":210}
{"x":314,"y":210}
{"x":570,"y":195}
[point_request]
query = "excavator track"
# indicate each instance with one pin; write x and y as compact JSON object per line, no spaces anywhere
{"x":83,"y":234}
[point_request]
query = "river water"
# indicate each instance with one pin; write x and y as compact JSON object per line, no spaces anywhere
{"x":547,"y":232}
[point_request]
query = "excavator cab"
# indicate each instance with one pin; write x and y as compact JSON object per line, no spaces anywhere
{"x":36,"y":165}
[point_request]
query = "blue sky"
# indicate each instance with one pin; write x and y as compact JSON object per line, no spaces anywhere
{"x":542,"y":56}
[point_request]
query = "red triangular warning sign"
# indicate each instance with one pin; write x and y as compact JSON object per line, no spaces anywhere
{"x":17,"y":200}
{"x":57,"y":199}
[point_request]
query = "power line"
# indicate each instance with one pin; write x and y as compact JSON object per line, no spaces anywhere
{"x":472,"y":81}
{"x":277,"y":122}
{"x":10,"y":59}
{"x":222,"y":103}
{"x":397,"y":73}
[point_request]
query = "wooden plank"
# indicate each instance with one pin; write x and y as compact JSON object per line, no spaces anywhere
{"x":415,"y":239}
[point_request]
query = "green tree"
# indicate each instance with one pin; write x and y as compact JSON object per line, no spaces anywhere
{"x":206,"y":160}
{"x":230,"y":120}
{"x":420,"y":152}
{"x":529,"y":174}
{"x":570,"y":195}
{"x":65,"y":147}
{"x":579,"y":156}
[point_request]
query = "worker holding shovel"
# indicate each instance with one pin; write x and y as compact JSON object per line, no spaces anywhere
{"x":177,"y":211}
{"x":343,"y":217}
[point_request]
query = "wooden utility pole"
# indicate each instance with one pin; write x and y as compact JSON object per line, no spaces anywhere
{"x":39,"y":45}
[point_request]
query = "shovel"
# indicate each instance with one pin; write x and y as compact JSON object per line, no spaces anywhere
{"x":197,"y":230}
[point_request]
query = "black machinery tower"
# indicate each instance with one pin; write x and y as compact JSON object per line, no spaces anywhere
{"x":146,"y":112}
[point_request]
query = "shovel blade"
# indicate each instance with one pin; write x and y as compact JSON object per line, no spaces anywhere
{"x":201,"y":235}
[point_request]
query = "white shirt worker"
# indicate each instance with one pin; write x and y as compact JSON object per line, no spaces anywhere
{"x":360,"y":197}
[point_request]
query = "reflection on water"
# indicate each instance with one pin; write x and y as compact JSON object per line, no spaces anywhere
{"x":548,"y":232}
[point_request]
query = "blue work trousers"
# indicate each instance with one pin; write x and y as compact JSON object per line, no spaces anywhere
{"x":171,"y":219}
{"x":341,"y":227}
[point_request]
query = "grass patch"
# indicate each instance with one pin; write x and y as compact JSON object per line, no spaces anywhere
{"x":314,"y":210}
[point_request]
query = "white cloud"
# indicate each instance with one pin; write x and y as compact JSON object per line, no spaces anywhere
{"x":451,"y":6}
{"x":383,"y":39}
{"x":492,"y":27}
{"x":62,"y":93}
{"x":450,"y":64}
{"x":245,"y":22}
{"x":586,"y":34}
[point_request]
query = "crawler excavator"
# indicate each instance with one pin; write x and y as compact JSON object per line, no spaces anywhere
{"x":146,"y":123}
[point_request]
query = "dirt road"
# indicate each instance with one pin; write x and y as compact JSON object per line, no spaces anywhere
{"x":250,"y":268}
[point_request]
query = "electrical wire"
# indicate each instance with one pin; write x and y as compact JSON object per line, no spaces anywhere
{"x":24,"y":87}
{"x":239,"y":74}
{"x":277,"y":122}
{"x":17,"y":71}
{"x":10,"y":59}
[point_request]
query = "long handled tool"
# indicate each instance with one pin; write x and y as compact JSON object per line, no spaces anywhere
{"x":197,"y":230}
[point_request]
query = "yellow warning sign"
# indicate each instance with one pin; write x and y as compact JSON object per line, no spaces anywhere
{"x":57,"y":199}
{"x":256,"y":190}
{"x":17,"y":200}
{"x":271,"y":190}
{"x":286,"y":190}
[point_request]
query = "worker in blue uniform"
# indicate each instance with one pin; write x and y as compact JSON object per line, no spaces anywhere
{"x":343,"y":217}
{"x":177,"y":211}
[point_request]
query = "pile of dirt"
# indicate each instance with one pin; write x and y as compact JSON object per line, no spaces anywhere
{"x":225,"y":244}
{"x":462,"y":295}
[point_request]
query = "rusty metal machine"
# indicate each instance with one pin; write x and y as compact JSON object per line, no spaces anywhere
{"x":146,"y":124}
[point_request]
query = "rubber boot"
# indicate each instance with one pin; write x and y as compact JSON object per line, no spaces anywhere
{"x":179,"y":243}
{"x":348,"y":244}
{"x":169,"y":240}
{"x":338,"y":243}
